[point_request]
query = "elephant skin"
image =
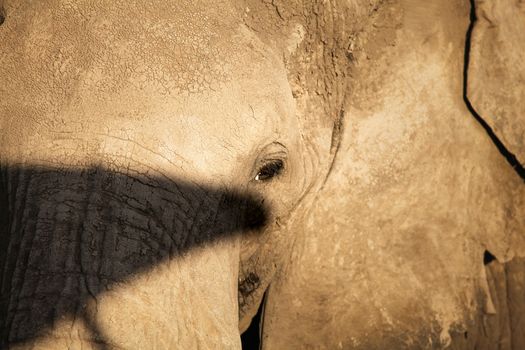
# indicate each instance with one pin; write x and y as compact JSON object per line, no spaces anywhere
{"x":351,"y":169}
{"x":391,"y":252}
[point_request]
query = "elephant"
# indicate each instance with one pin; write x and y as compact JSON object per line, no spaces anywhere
{"x":316,"y":174}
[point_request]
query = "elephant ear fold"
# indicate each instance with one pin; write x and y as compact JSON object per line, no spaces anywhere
{"x":496,"y":70}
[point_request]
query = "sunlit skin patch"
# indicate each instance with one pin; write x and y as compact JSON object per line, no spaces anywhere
{"x":140,"y":115}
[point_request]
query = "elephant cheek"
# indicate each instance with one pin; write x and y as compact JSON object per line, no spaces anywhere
{"x":128,"y":262}
{"x":189,"y":302}
{"x":186,"y":303}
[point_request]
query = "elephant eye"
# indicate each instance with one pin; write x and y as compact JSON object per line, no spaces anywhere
{"x":270,"y":170}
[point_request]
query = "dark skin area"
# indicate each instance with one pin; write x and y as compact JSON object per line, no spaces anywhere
{"x":61,"y":213}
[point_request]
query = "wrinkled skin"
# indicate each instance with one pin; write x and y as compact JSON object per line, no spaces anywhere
{"x":136,"y":139}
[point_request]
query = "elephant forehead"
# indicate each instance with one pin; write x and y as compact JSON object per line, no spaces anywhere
{"x":168,"y":75}
{"x":209,"y":133}
{"x":186,"y":46}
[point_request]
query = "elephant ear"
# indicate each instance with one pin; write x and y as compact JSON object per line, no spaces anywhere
{"x":496,"y":72}
{"x":495,"y":90}
{"x":390,"y":253}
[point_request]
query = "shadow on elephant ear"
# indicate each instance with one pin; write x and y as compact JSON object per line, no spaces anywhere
{"x":68,"y":235}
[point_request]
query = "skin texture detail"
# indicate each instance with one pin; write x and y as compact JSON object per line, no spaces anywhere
{"x":398,"y":249}
{"x":166,"y":164}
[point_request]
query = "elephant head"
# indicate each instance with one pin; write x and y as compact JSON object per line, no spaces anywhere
{"x":152,"y":154}
{"x":165,"y":164}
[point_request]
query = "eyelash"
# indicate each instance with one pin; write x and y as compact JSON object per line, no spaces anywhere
{"x":270,"y":170}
